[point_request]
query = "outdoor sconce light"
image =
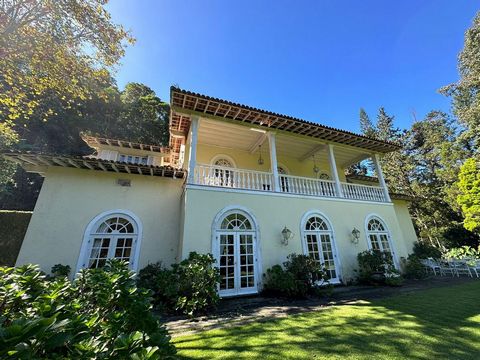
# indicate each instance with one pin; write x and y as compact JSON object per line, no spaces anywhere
{"x":286,"y":235}
{"x":355,"y":235}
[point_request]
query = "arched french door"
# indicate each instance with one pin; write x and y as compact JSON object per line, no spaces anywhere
{"x":236,"y":252}
{"x":379,"y":238}
{"x":319,"y":244}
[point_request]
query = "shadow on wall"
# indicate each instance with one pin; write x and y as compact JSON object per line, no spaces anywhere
{"x":13,"y":225}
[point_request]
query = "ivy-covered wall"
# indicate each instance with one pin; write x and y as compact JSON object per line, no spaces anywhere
{"x":13,"y":225}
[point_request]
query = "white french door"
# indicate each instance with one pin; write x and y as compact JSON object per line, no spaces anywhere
{"x":381,"y":241}
{"x":320,"y":247}
{"x":237,"y":260}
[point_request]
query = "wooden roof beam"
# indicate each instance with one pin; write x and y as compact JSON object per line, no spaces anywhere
{"x":312,"y":152}
{"x":259,"y":141}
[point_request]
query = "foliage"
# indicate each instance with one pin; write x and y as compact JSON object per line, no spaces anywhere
{"x":413,"y":268}
{"x":60,"y":47}
{"x":375,"y":266}
{"x":465,"y":93}
{"x":101,"y":315}
{"x":426,"y":168}
{"x":469,"y":197}
{"x":424,"y":250}
{"x":464,"y":252}
{"x":60,"y":270}
{"x":299,"y":277}
{"x":189,"y":287}
{"x":13,"y":226}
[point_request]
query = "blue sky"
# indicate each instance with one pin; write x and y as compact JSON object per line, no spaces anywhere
{"x":317,"y":60}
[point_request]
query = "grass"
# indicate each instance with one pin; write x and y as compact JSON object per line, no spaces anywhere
{"x":441,"y":323}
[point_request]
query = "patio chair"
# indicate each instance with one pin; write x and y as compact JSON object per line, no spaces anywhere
{"x":431,"y":265}
{"x":474,"y":267}
{"x":447,"y":267}
{"x":460,"y":267}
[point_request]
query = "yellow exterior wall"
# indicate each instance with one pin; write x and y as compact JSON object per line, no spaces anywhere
{"x":406,"y":224}
{"x":245,"y":160}
{"x":71,"y":198}
{"x":274,"y":212}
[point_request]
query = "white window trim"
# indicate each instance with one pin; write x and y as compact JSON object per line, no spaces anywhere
{"x":255,"y":228}
{"x":303,"y":222}
{"x":223,"y":156}
{"x":84,"y":250}
{"x":389,"y":236}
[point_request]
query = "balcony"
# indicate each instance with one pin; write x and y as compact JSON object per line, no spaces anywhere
{"x":233,"y":178}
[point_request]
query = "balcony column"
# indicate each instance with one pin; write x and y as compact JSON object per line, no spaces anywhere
{"x":273,"y":160}
{"x":192,"y":161}
{"x":381,"y":179}
{"x":333,"y":169}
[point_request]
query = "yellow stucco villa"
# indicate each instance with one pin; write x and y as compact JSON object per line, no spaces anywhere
{"x":247,"y":185}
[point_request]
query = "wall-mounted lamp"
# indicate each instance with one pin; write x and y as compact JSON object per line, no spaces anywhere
{"x":286,"y":235}
{"x":355,"y":235}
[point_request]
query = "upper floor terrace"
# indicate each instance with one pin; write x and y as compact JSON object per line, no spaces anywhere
{"x":233,"y":147}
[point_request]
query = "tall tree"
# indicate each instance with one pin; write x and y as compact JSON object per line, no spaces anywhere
{"x":465,"y":92}
{"x":366,"y":126}
{"x":55,"y":46}
{"x":469,"y":197}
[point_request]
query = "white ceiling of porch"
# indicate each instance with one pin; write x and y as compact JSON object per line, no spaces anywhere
{"x":223,"y":134}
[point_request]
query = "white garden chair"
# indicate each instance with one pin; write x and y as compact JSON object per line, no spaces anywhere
{"x":474,"y":267}
{"x":447,"y":267}
{"x":460,"y":267}
{"x":431,"y":265}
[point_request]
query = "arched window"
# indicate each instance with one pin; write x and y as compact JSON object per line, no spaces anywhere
{"x":319,"y":243}
{"x":112,"y":236}
{"x":223,"y":176}
{"x":236,"y":252}
{"x":378,"y":236}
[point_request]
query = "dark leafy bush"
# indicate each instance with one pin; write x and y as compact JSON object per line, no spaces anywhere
{"x":413,"y":268}
{"x":189,"y":287}
{"x":423,"y":250}
{"x":101,"y":315}
{"x":61,"y":270}
{"x":299,"y":277}
{"x":375,"y":266}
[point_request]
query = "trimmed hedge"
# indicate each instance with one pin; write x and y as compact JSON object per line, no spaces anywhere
{"x":13,"y":225}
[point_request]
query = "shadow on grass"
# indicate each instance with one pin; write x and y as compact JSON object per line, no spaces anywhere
{"x":439,"y":323}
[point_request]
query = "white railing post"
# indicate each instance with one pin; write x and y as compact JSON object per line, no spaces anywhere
{"x":193,"y":148}
{"x":273,"y":160}
{"x":333,"y":169}
{"x":381,"y":180}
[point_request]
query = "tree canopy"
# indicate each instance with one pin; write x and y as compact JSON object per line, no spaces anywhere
{"x":469,"y":197}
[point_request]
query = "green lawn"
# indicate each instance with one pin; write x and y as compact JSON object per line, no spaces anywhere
{"x":442,"y":323}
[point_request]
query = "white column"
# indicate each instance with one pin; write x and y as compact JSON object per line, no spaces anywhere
{"x":381,"y":180}
{"x":193,"y":148}
{"x":273,"y":160}
{"x":333,"y":169}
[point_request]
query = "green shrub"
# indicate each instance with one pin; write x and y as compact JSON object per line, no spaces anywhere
{"x":423,"y":250}
{"x":464,"y":252}
{"x":375,"y":266}
{"x":189,"y":287}
{"x":100,"y":315}
{"x":61,"y":270}
{"x":13,"y":225}
{"x":299,"y":277}
{"x":413,"y":268}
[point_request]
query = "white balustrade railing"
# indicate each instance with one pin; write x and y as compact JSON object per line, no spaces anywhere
{"x":363,"y":192}
{"x":212,"y":175}
{"x":306,"y":186}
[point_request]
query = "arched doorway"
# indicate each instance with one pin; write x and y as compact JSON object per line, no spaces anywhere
{"x":378,"y":237}
{"x":319,"y":243}
{"x":235,"y":247}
